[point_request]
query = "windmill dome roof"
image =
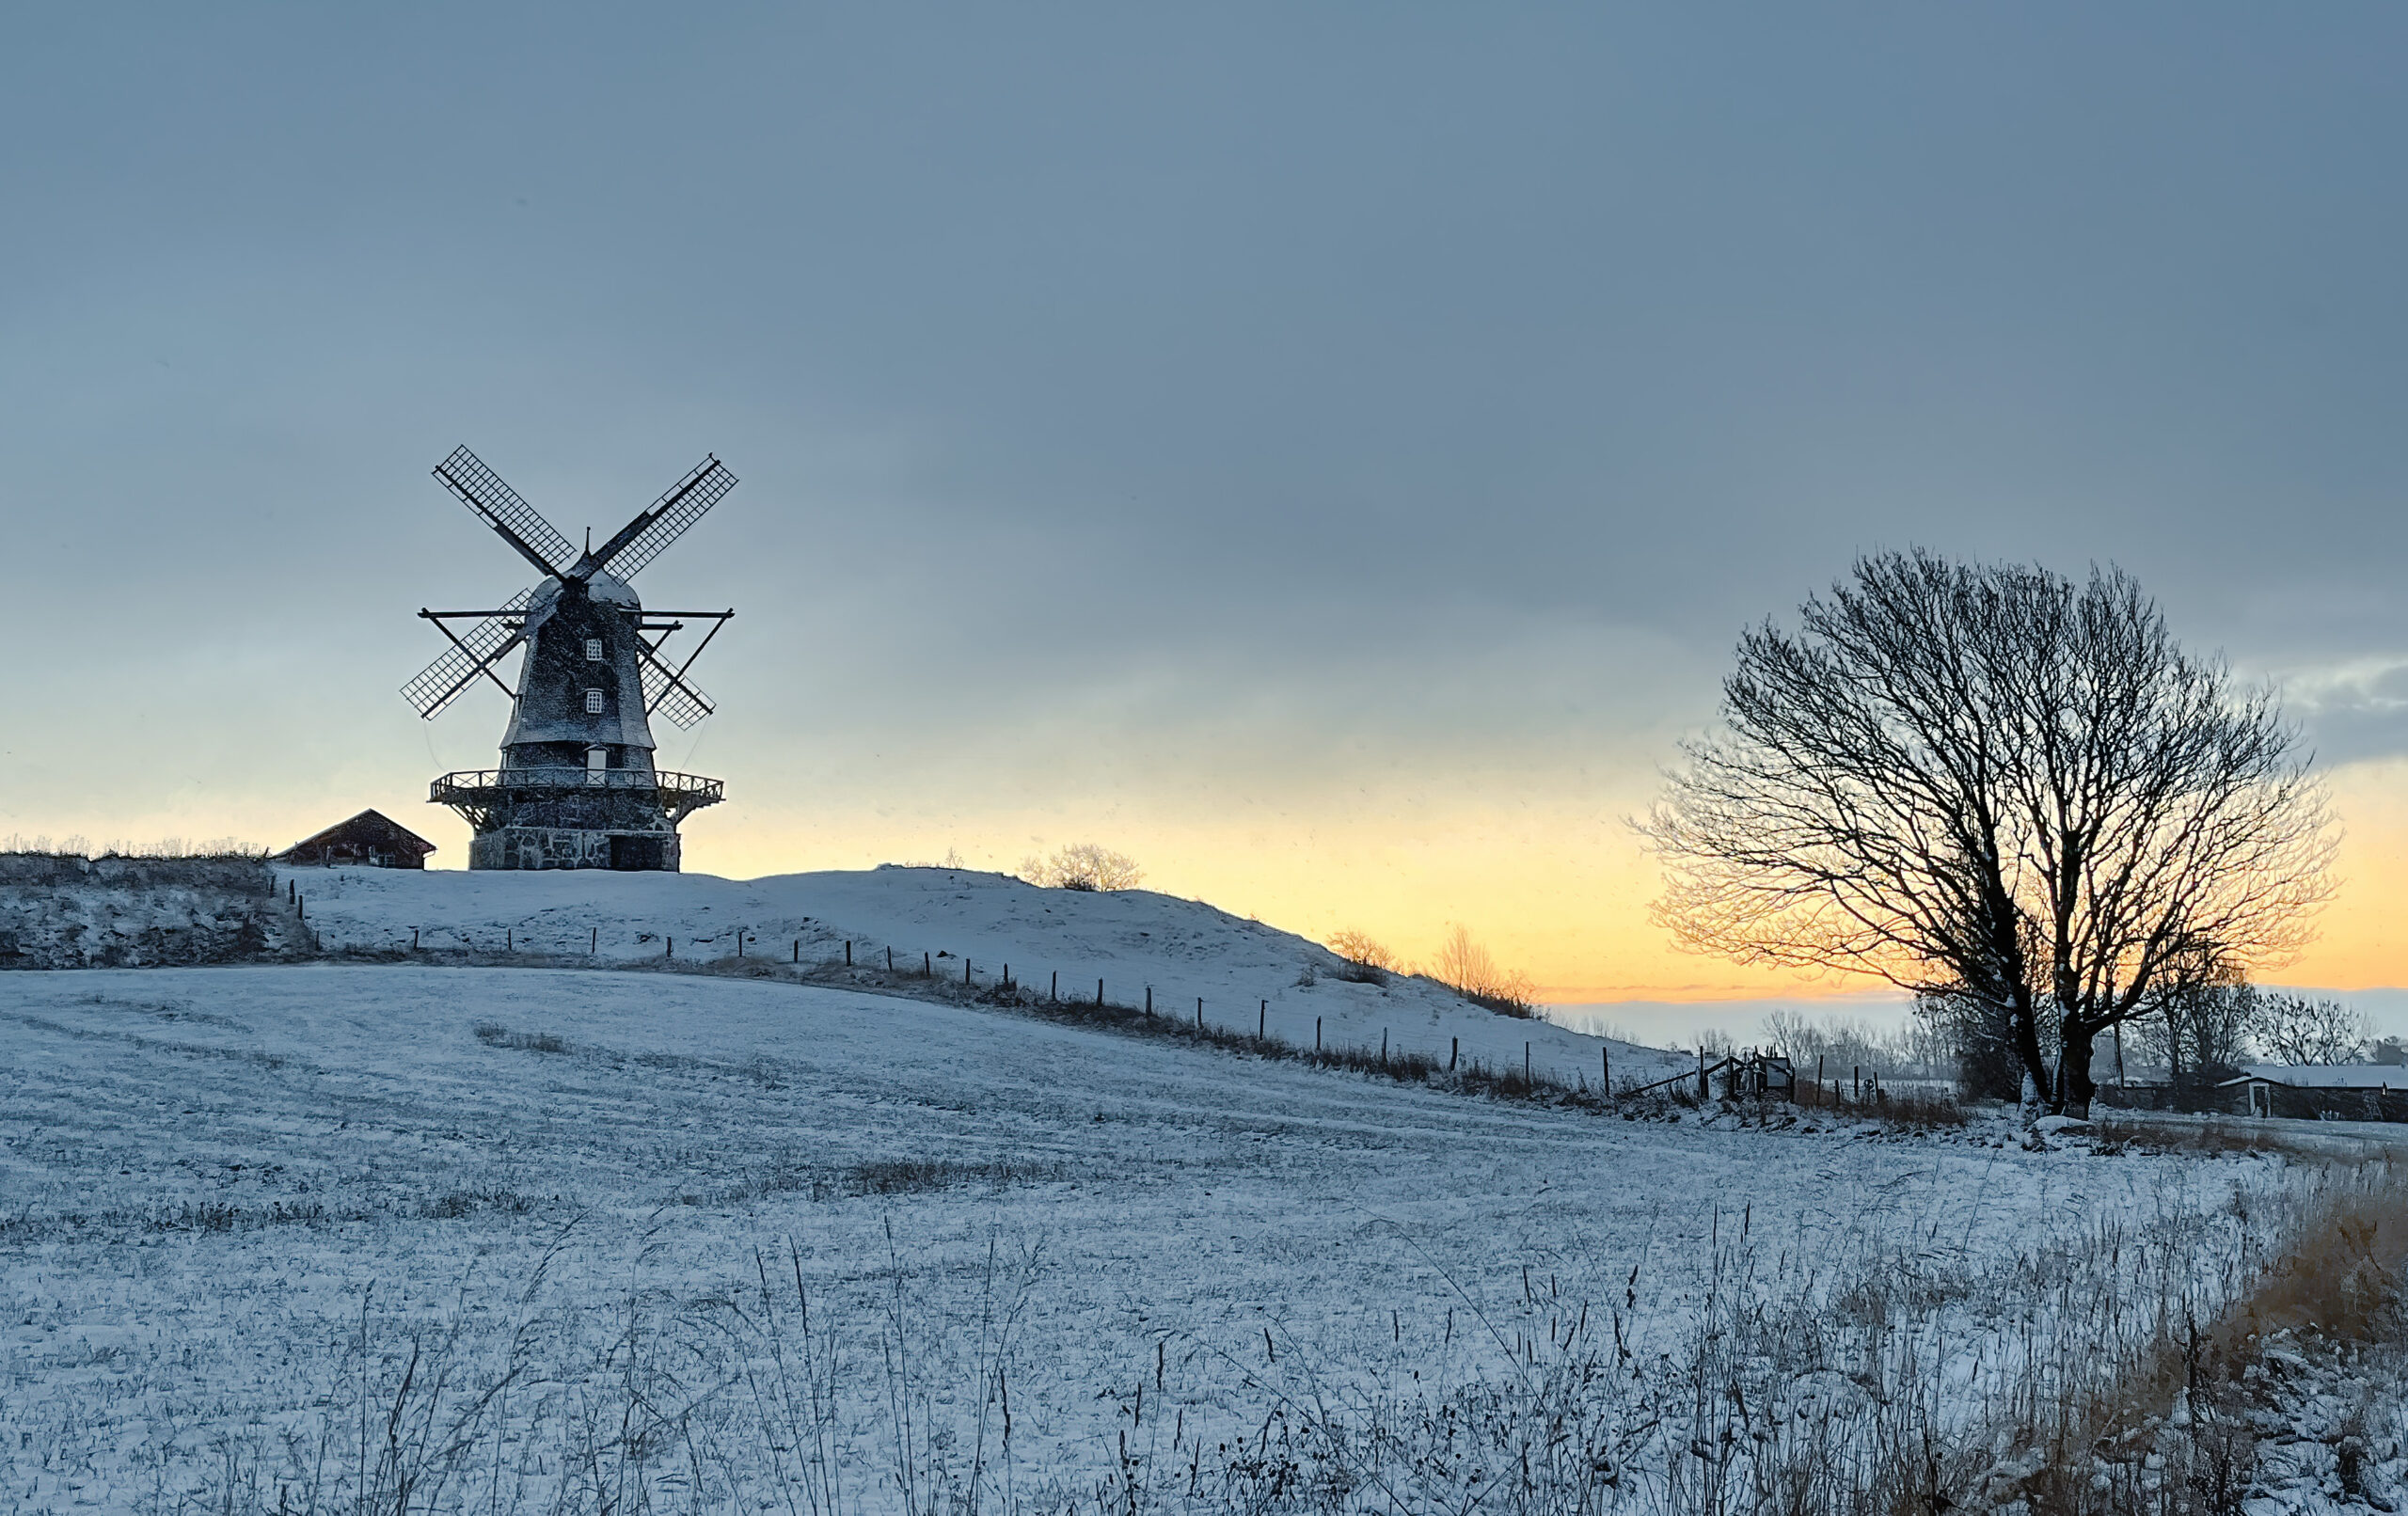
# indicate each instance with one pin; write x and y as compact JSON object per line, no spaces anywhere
{"x":607,"y":588}
{"x":612,"y":591}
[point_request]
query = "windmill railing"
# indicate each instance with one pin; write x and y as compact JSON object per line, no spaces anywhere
{"x":483,"y":785}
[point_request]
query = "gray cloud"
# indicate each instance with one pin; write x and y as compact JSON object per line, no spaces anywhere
{"x":1457,"y":377}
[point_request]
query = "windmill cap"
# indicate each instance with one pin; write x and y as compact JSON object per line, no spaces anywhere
{"x":607,"y":588}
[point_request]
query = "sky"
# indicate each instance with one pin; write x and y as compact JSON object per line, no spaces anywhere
{"x":1327,"y":453}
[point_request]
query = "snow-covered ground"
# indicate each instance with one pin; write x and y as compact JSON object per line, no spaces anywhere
{"x":230,"y":1198}
{"x":1249,"y":976}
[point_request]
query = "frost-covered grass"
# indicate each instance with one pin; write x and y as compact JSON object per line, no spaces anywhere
{"x":521,"y":1237}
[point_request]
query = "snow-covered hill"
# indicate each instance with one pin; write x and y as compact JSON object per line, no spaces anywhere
{"x":1248,"y":975}
{"x":787,"y":1232}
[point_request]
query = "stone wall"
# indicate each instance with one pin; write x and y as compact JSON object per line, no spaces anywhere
{"x":561,"y":847}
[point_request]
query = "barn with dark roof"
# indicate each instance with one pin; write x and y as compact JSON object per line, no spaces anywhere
{"x":369,"y":838}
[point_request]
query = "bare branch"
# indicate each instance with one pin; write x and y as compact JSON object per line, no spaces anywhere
{"x":1994,"y":782}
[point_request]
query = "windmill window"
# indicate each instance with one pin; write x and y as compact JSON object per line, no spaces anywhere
{"x":594,"y":650}
{"x":594,"y":702}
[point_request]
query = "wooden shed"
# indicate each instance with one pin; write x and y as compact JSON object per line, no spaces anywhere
{"x":369,"y":838}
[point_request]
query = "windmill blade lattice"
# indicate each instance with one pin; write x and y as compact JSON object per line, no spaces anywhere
{"x":679,"y":509}
{"x":681,"y":702}
{"x":440,"y":683}
{"x":483,"y":491}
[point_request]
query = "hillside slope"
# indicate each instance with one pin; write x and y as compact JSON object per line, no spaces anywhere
{"x":1248,"y":975}
{"x":61,"y":911}
{"x":233,"y":1202}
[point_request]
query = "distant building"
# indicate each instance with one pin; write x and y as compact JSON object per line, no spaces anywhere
{"x":369,"y":838}
{"x":2363,"y":1091}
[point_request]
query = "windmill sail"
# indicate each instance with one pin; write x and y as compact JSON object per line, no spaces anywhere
{"x":440,"y":683}
{"x":648,"y":535}
{"x":681,"y":701}
{"x":501,"y":508}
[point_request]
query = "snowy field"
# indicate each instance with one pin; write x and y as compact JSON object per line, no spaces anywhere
{"x":1041,"y":1263}
{"x":1135,"y":943}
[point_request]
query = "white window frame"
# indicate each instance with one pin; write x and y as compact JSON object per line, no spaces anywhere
{"x":594,"y":702}
{"x":594,"y":650}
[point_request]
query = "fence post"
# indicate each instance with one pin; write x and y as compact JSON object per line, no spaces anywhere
{"x":1316,"y":1034}
{"x":1055,"y":993}
{"x":1199,"y":1013}
{"x":797,"y":949}
{"x":1856,"y":1077}
{"x":1606,"y":1072}
{"x":928,"y":965}
{"x":1454,"y":1050}
{"x":667,"y":947}
{"x":1701,"y":1091}
{"x":1261,"y":1020}
{"x":1526,"y":1063}
{"x":1007,"y":976}
{"x":1098,"y":994}
{"x":1149,"y":999}
{"x":413,"y":940}
{"x":739,"y":942}
{"x":1384,"y":1047}
{"x":849,"y":951}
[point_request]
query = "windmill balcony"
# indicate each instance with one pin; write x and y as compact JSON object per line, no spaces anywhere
{"x":491,"y":792}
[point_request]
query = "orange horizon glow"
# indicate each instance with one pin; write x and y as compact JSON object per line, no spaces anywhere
{"x":1552,"y":883}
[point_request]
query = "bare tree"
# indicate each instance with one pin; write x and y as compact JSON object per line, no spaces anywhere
{"x":1362,"y":949}
{"x":1995,"y":786}
{"x":1083,"y":866}
{"x":1981,"y":1034}
{"x":2296,"y":1029}
{"x":1466,"y":966}
{"x":1915,"y":1050}
{"x":1461,"y":961}
{"x":2205,"y":1028}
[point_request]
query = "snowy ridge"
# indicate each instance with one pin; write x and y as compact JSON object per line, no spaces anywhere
{"x":1248,"y":975}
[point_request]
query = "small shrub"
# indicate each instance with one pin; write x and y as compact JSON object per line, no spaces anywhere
{"x":1464,"y":965}
{"x":1083,"y":866}
{"x":494,"y":1035}
{"x":461,"y":1203}
{"x":900,"y":1175}
{"x":1913,"y":1107}
{"x":1362,"y":960}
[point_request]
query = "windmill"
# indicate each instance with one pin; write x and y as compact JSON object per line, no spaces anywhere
{"x":577,"y":788}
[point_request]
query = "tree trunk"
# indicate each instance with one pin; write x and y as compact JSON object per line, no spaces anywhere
{"x":2074,"y":1086}
{"x":2027,"y":1052}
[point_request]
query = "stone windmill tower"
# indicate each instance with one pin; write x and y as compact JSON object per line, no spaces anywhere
{"x":577,"y":788}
